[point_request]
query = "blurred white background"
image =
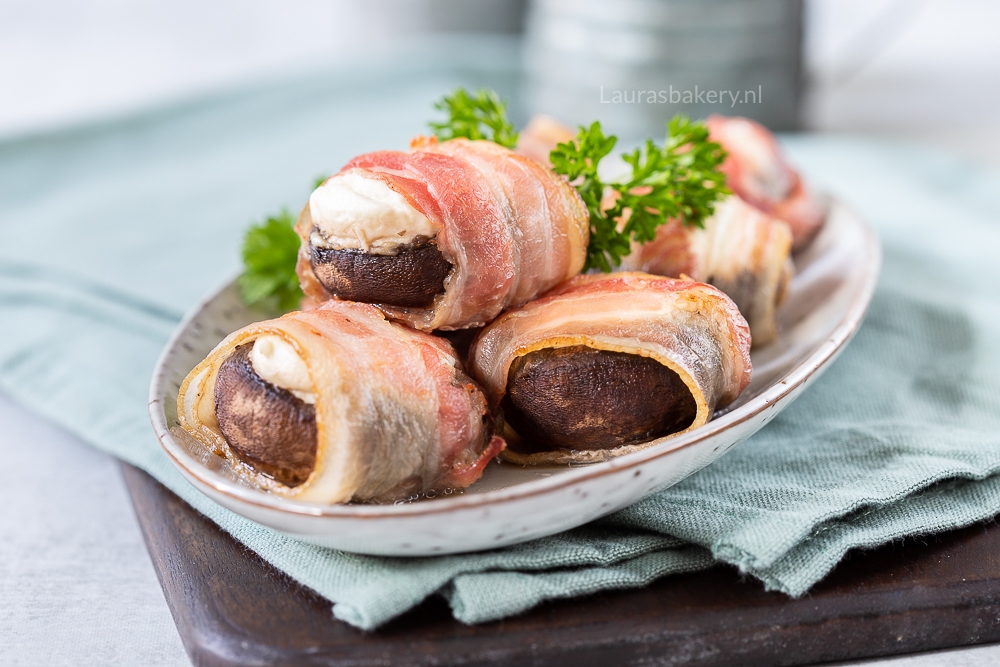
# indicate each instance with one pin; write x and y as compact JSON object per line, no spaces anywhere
{"x":67,"y":61}
{"x":928,"y":70}
{"x":922,"y":69}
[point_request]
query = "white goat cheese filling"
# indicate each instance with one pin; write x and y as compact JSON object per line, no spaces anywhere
{"x":353,"y":211}
{"x":277,"y":362}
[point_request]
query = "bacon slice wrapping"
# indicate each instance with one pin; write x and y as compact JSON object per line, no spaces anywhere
{"x":741,"y":250}
{"x":395,"y":414}
{"x":510,"y":227}
{"x":690,"y":327}
{"x":757,"y":171}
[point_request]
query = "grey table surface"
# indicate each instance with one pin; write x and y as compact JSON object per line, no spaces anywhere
{"x":76,"y":584}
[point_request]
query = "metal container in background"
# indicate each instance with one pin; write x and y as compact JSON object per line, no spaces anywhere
{"x":633,"y":64}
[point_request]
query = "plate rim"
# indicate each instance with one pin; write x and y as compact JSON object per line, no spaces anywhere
{"x":783,"y":386}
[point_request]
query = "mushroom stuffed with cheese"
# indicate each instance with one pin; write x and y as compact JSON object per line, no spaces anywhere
{"x":444,"y":236}
{"x":338,"y":404}
{"x":605,"y":365}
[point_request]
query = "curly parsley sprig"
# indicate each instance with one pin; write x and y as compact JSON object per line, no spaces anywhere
{"x":270,"y":250}
{"x":479,"y":115}
{"x":578,"y":161}
{"x":680,"y":179}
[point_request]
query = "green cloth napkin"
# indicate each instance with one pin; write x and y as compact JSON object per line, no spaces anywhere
{"x":108,"y":233}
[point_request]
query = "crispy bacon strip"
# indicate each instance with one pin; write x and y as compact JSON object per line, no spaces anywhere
{"x":395,"y":414}
{"x":692,"y":328}
{"x":757,"y":171}
{"x":742,"y":251}
{"x":511,"y":228}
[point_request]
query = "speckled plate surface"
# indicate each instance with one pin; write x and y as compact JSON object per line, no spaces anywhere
{"x":828,"y":298}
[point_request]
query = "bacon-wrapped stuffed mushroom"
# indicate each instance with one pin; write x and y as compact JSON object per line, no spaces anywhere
{"x":338,"y":404}
{"x":604,"y":364}
{"x":741,"y":250}
{"x":444,"y":236}
{"x":757,"y":171}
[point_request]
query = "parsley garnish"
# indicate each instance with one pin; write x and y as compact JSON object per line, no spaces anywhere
{"x":678,"y":180}
{"x":578,"y":162}
{"x":480,"y":115}
{"x":270,"y":251}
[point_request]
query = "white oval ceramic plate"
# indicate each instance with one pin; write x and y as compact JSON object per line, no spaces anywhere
{"x":827,"y":301}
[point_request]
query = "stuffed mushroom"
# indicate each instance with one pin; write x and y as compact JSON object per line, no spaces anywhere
{"x":444,"y":236}
{"x":604,"y":365}
{"x":339,"y":404}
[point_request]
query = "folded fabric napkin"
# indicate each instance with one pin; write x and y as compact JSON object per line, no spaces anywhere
{"x":110,"y":232}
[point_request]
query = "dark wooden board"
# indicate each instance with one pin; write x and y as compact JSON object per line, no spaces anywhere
{"x":232,"y":608}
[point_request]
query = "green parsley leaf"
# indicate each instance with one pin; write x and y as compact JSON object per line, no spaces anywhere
{"x":578,"y":161}
{"x":270,"y":251}
{"x":480,"y":115}
{"x":681,"y":180}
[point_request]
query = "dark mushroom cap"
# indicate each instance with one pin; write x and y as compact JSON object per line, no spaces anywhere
{"x":410,"y":278}
{"x":267,"y":427}
{"x":581,"y":398}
